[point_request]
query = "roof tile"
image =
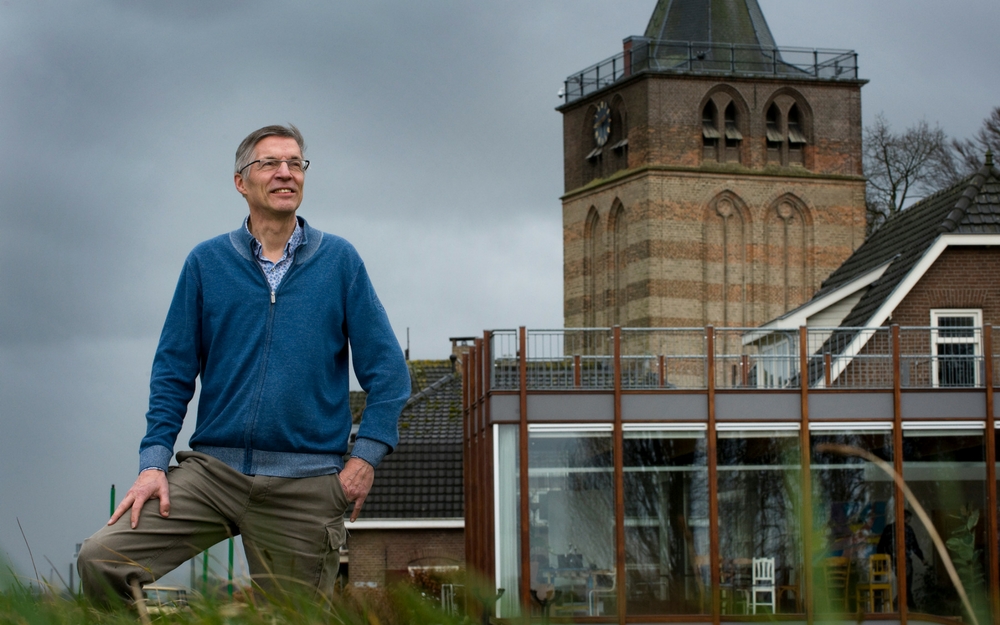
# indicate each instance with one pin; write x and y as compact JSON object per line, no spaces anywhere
{"x":422,"y":478}
{"x":972,"y":206}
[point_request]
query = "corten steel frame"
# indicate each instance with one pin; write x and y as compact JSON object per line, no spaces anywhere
{"x":619,"y":471}
{"x":897,"y":460}
{"x":805,"y":521}
{"x":478,"y":464}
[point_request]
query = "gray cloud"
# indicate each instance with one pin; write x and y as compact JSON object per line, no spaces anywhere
{"x":435,"y":149}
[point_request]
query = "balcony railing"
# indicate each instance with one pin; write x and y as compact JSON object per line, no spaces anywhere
{"x":743,"y":358}
{"x":650,"y":55}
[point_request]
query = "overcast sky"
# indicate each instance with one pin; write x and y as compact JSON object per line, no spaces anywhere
{"x":435,"y":149}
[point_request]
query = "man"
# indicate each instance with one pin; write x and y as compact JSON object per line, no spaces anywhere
{"x":887,"y":545}
{"x":263,"y":316}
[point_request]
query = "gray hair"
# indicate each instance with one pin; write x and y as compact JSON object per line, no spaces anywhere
{"x":245,"y":153}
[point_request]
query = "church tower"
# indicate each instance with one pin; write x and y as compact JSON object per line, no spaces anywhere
{"x":711,"y":177}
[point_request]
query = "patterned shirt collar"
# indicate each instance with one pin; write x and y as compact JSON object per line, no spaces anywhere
{"x":275,"y":271}
{"x":298,"y":235}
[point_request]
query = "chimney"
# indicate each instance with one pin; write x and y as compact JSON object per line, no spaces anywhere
{"x":460,"y":345}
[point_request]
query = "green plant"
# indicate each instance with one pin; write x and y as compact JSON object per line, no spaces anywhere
{"x":968,"y":559}
{"x":962,"y":545}
{"x":397,"y":605}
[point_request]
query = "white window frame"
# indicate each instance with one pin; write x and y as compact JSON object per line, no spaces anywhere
{"x":778,"y":364}
{"x":976,"y":340}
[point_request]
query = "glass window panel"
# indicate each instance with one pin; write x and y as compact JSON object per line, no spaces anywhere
{"x":571,"y":495}
{"x":666,"y":522}
{"x":956,"y":364}
{"x":851,"y":500}
{"x":759,"y":493}
{"x":952,"y":327}
{"x":946,"y":471}
{"x":956,"y":349}
{"x":508,"y":519}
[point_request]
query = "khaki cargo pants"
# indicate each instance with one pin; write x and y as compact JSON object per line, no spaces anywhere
{"x":292,"y":530}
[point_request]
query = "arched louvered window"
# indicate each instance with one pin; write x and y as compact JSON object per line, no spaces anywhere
{"x":734,"y":137}
{"x":775,"y":134}
{"x":710,"y":132}
{"x":796,"y":137}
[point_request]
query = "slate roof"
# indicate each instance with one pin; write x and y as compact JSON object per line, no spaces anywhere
{"x":971,"y":206}
{"x":710,"y":21}
{"x":357,"y":399}
{"x":422,"y":478}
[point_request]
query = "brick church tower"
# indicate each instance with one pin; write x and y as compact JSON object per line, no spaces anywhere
{"x":710,"y":176}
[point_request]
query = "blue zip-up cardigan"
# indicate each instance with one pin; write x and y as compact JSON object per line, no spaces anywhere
{"x":274,"y":366}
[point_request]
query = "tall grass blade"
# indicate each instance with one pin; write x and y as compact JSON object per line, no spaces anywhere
{"x":37,"y":578}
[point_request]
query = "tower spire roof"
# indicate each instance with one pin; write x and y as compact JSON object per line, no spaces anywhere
{"x":710,"y":21}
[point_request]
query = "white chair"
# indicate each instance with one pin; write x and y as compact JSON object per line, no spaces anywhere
{"x":762,"y":591}
{"x":594,"y":603}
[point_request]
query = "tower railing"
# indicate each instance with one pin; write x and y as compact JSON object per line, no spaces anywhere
{"x":664,"y":56}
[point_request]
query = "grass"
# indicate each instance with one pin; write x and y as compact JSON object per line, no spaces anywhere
{"x":400,"y":604}
{"x":415,"y":601}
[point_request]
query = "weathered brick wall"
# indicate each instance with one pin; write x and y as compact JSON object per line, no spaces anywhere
{"x":373,"y":552}
{"x":675,"y":271}
{"x":707,"y":242}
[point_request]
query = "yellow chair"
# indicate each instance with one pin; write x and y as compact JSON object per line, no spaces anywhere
{"x":837,"y":573}
{"x":879,"y":582}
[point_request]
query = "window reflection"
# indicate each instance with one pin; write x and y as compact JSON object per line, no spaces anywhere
{"x":507,"y":522}
{"x":852,"y":499}
{"x":759,"y":488}
{"x":944,"y":466}
{"x":666,"y":520}
{"x":571,"y":506}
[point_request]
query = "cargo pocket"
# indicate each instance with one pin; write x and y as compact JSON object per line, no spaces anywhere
{"x":336,"y":535}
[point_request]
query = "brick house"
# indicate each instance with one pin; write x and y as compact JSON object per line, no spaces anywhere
{"x":413,"y":518}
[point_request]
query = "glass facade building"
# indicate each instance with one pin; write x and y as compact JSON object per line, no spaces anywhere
{"x":618,"y":475}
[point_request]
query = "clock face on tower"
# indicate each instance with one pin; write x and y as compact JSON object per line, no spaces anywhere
{"x":602,"y":124}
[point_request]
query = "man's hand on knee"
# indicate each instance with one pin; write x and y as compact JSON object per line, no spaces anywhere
{"x":356,"y":479}
{"x":151,"y":484}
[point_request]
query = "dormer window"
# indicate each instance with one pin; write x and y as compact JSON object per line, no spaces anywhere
{"x":710,"y":132}
{"x":733,"y":135}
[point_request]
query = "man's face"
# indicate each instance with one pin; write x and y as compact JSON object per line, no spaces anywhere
{"x":276,"y":192}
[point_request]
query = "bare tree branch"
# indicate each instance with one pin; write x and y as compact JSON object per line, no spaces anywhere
{"x":902,"y":168}
{"x":971,"y":152}
{"x":906,"y":167}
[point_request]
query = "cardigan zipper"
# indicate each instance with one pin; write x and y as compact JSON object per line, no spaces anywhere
{"x":251,"y":424}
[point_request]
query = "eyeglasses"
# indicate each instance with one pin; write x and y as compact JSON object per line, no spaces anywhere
{"x":295,"y":165}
